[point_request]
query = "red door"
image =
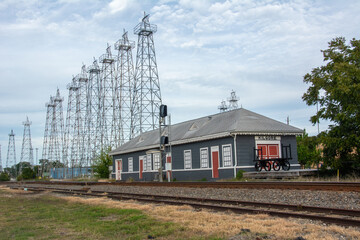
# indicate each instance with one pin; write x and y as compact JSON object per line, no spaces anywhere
{"x":141,"y":168}
{"x":273,"y":151}
{"x":262,"y":154}
{"x":269,"y":151}
{"x":118,"y":169}
{"x":168,"y":167}
{"x":215,"y":161}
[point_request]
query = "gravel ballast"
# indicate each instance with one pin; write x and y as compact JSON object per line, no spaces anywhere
{"x":330,"y":199}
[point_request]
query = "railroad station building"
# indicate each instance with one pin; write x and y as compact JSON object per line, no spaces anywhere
{"x":208,"y":148}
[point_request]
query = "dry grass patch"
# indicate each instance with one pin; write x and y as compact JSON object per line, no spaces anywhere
{"x":228,"y":224}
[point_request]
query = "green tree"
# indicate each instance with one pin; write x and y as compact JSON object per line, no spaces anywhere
{"x":102,"y":163}
{"x":335,"y":87}
{"x":28,"y":173}
{"x":308,"y":150}
{"x":4,"y":176}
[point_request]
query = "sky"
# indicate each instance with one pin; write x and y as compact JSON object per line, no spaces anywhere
{"x":204,"y":49}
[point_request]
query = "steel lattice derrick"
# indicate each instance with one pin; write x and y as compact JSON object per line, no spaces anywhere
{"x":125,"y":79}
{"x":11,"y":154}
{"x":108,"y":108}
{"x":147,"y":95}
{"x":49,"y":117}
{"x":68,"y":159}
{"x":80,"y":134}
{"x":57,"y":129}
{"x":233,"y":101}
{"x":92,"y":112}
{"x":27,"y":150}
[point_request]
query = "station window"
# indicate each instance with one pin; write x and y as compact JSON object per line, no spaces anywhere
{"x":187,"y":159}
{"x":149,"y":165}
{"x":226,"y":152}
{"x":156,"y":161}
{"x":204,"y":157}
{"x":130,"y":163}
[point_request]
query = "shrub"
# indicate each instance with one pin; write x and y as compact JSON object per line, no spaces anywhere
{"x":28,"y":173}
{"x":4,"y":176}
{"x":130,"y":180}
{"x":102,"y":163}
{"x":19,"y":178}
{"x":240,"y":174}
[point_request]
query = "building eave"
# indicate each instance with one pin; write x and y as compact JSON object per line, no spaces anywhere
{"x":205,"y":138}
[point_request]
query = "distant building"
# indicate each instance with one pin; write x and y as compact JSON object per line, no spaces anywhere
{"x":211,"y":147}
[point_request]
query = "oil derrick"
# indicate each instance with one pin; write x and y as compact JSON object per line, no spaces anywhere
{"x":49,"y":116}
{"x":124,"y":88}
{"x":233,"y":101}
{"x":92,"y":111}
{"x":11,"y":154}
{"x":147,"y":95}
{"x":78,"y":148}
{"x":27,"y":150}
{"x":223,"y":107}
{"x":57,"y":129}
{"x":107,"y":106}
{"x":68,"y":159}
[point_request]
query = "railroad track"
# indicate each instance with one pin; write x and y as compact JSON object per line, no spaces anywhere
{"x":345,"y":217}
{"x":313,"y":186}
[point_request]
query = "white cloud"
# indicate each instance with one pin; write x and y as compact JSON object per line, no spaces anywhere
{"x":261,"y":49}
{"x":116,"y":7}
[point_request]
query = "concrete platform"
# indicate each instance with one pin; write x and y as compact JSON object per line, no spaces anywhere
{"x":280,"y":174}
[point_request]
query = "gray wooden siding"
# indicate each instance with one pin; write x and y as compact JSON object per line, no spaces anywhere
{"x":245,"y":154}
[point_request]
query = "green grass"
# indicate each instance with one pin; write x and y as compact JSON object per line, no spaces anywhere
{"x":29,"y":216}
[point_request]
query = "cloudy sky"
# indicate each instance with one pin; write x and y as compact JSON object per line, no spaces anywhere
{"x":204,"y":49}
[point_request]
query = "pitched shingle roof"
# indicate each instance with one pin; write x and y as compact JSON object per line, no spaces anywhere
{"x":239,"y":121}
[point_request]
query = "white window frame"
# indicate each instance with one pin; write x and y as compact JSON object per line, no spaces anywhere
{"x":187,"y":159}
{"x":156,"y":161}
{"x":130,"y":166}
{"x":144,"y":163}
{"x":149,"y":163}
{"x":227,"y":160}
{"x":204,"y":158}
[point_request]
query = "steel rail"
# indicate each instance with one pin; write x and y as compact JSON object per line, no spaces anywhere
{"x":218,"y":204}
{"x":314,"y":186}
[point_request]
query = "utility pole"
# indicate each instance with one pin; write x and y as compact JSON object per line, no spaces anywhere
{"x":37,"y":156}
{"x":164,"y":139}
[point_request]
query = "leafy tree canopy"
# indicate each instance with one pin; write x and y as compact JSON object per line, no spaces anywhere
{"x":4,"y":176}
{"x":335,"y":87}
{"x":102,"y":163}
{"x":308,"y":150}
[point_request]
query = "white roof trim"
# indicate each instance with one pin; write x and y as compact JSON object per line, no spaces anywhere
{"x":199,"y":139}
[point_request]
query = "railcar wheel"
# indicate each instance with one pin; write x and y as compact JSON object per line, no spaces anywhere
{"x":286,"y":166}
{"x":267,"y":166}
{"x":258,"y":166}
{"x":276,"y":165}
